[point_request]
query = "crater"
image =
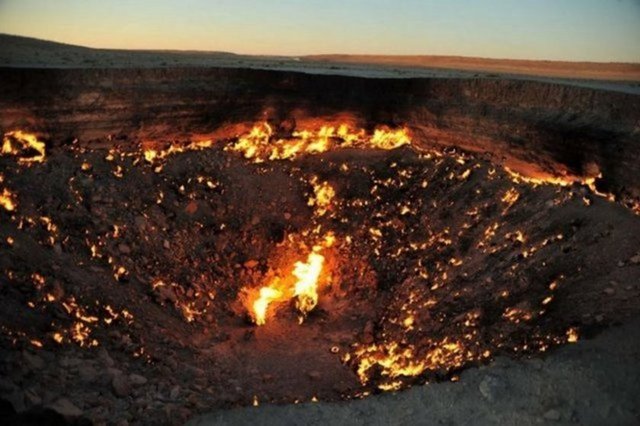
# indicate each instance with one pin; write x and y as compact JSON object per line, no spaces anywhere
{"x":237,"y":237}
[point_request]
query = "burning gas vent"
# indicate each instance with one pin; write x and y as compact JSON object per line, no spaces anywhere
{"x":296,"y":264}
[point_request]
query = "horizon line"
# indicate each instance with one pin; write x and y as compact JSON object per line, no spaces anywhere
{"x":311,"y":55}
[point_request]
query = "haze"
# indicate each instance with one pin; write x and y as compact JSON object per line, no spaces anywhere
{"x":570,"y":30}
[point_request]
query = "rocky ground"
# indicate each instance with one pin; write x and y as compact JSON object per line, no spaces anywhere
{"x":593,"y":382}
{"x":125,"y":274}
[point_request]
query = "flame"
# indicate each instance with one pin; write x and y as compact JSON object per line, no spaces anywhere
{"x":267,"y":295}
{"x":20,"y":143}
{"x":396,"y":361}
{"x":152,"y":154}
{"x":7,"y":200}
{"x":304,"y":289}
{"x":323,"y":196}
{"x":260,"y":144}
{"x":390,"y":139}
{"x":562,"y":181}
{"x":572,"y":335}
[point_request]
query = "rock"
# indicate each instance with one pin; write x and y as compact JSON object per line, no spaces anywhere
{"x":171,"y":363}
{"x":367,"y":333}
{"x":287,"y":215}
{"x":16,"y":399}
{"x":33,"y":361}
{"x":536,"y":363}
{"x":491,"y":387}
{"x":121,"y":386}
{"x":113,"y":372}
{"x":175,"y":391}
{"x":66,"y":408}
{"x":123,"y":248}
{"x":141,"y":222}
{"x":104,"y":356}
{"x":6,"y":386}
{"x":635,"y":259}
{"x":70,"y":361}
{"x":88,"y":374}
{"x":166,"y":244}
{"x":250,"y":264}
{"x":315,"y":375}
{"x":553,"y":415}
{"x":609,"y":291}
{"x":165,"y":293}
{"x":56,"y":290}
{"x":137,"y":380}
{"x":192,"y":207}
{"x":31,"y":398}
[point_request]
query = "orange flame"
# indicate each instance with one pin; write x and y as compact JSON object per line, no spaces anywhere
{"x":7,"y":201}
{"x":259,"y":144}
{"x":19,"y":143}
{"x":323,"y":196}
{"x":304,"y":289}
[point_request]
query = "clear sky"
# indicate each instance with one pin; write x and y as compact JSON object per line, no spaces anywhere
{"x":593,"y":30}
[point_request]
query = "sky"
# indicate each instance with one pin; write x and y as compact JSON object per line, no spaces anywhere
{"x":573,"y":30}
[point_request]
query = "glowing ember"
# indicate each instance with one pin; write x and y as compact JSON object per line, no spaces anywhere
{"x":152,"y":153}
{"x":7,"y":200}
{"x":23,"y":145}
{"x":323,"y":195}
{"x":395,"y":361}
{"x":572,"y":335}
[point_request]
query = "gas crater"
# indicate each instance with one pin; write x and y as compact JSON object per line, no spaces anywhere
{"x":300,"y":257}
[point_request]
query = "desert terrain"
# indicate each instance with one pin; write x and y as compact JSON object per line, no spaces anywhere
{"x":471,"y":226}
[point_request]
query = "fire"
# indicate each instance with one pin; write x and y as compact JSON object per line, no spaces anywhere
{"x":306,"y":288}
{"x":396,"y":361}
{"x":260,"y":143}
{"x":303,"y":285}
{"x":19,"y":143}
{"x":390,"y":139}
{"x":7,"y":200}
{"x":267,"y":295}
{"x":153,"y":154}
{"x":562,"y":181}
{"x":323,"y":195}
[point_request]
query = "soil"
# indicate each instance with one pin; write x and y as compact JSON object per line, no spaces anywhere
{"x":122,"y":296}
{"x":593,"y":382}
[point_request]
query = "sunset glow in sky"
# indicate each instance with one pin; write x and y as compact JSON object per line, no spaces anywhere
{"x":593,"y":30}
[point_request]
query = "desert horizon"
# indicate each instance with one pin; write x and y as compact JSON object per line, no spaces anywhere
{"x":29,"y":51}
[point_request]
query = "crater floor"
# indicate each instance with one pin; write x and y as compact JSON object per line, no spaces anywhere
{"x":129,"y":277}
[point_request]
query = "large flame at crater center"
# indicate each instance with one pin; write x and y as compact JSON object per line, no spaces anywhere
{"x":302,"y":286}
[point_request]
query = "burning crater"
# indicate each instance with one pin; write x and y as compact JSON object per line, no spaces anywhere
{"x":289,"y":261}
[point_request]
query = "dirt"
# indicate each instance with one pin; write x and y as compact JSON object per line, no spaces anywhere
{"x":592,"y":382}
{"x":123,"y":280}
